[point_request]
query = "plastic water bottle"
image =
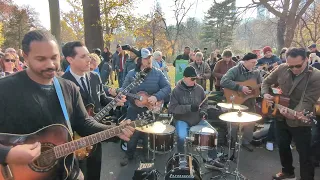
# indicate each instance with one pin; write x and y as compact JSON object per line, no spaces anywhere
{"x":111,"y":176}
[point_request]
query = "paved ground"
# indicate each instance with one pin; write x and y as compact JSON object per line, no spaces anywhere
{"x":257,"y":165}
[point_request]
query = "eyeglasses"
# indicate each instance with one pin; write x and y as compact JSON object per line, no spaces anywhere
{"x":298,"y":66}
{"x":8,"y":60}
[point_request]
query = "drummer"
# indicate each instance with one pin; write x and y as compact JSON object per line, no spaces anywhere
{"x":184,"y":104}
{"x":242,"y":72}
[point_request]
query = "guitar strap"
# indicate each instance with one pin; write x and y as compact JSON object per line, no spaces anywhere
{"x":62,"y":103}
{"x":305,"y":88}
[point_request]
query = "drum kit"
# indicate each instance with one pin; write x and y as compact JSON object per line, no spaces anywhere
{"x":187,"y":166}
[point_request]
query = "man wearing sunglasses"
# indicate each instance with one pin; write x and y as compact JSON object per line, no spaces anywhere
{"x":188,"y":111}
{"x":300,"y":83}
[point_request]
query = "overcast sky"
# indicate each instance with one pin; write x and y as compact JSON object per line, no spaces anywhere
{"x":199,"y":9}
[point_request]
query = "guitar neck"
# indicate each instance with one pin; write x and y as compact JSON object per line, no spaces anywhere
{"x":100,"y":115}
{"x":70,"y":147}
{"x":293,"y":112}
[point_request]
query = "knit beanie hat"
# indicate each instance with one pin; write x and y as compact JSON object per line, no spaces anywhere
{"x":266,"y":49}
{"x":189,"y":72}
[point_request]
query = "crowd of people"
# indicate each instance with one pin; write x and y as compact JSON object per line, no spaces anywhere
{"x":84,"y":77}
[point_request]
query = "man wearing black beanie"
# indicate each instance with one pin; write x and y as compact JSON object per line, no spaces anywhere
{"x":188,"y":111}
{"x":241,"y":72}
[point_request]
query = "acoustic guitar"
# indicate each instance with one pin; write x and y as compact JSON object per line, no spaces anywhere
{"x":57,"y":147}
{"x":239,"y":96}
{"x":85,"y":152}
{"x":281,"y":101}
{"x":141,"y":100}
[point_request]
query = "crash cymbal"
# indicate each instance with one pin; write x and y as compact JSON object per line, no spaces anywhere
{"x":235,"y":106}
{"x":157,"y":128}
{"x":239,"y":117}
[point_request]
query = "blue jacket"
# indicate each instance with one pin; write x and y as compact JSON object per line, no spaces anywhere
{"x":269,"y":61}
{"x":155,"y":84}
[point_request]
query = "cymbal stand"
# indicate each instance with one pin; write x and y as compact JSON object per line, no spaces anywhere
{"x":226,"y":170}
{"x":240,"y":134}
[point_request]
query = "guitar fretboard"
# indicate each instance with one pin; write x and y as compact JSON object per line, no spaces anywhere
{"x":68,"y":148}
{"x":100,"y":115}
{"x":293,"y":112}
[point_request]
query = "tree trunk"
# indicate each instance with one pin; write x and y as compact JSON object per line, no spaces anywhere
{"x":281,"y":29}
{"x":291,"y":26}
{"x":92,"y":24}
{"x":55,"y":19}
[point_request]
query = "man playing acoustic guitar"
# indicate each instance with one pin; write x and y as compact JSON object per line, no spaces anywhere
{"x":29,"y":102}
{"x":240,"y":73}
{"x":300,"y":83}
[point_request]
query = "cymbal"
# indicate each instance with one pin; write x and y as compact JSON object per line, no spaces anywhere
{"x":157,"y":128}
{"x":239,"y":117}
{"x":235,"y":106}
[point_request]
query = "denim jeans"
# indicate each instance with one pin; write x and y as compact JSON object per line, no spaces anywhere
{"x":120,"y":78}
{"x":182,"y":132}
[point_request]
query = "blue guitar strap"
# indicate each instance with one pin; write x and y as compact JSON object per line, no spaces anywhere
{"x":62,"y":103}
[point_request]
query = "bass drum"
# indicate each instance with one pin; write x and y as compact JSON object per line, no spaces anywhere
{"x":175,"y":171}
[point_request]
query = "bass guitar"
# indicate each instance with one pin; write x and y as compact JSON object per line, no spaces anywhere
{"x":239,"y":96}
{"x":141,"y":100}
{"x":57,"y":147}
{"x":282,"y":102}
{"x":85,"y":152}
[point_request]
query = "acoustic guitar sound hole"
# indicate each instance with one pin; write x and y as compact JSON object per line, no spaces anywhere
{"x":46,"y":161}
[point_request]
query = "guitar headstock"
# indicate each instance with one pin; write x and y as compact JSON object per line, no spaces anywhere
{"x":311,"y":117}
{"x":145,"y":119}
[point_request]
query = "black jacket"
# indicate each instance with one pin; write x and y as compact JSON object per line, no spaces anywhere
{"x":25,"y":108}
{"x":98,"y":96}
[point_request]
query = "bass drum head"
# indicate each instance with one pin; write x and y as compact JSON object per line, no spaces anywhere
{"x":182,"y":174}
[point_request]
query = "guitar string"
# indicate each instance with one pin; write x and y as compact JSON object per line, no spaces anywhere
{"x":52,"y":153}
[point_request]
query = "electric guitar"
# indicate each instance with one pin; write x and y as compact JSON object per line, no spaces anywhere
{"x":239,"y":96}
{"x":57,"y":146}
{"x":282,"y":102}
{"x":85,"y":152}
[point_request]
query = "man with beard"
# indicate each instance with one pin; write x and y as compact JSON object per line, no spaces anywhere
{"x":92,"y":92}
{"x":155,"y":84}
{"x":299,"y":82}
{"x":203,"y":70}
{"x":38,"y":106}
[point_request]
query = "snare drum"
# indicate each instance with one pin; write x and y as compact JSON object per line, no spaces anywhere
{"x":175,"y":171}
{"x":203,"y":137}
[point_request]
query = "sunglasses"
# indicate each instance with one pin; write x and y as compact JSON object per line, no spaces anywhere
{"x":8,"y":60}
{"x":298,"y":66}
{"x":193,"y":78}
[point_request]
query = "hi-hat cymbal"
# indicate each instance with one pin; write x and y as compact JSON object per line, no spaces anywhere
{"x":239,"y":117}
{"x":157,"y":128}
{"x":235,"y":106}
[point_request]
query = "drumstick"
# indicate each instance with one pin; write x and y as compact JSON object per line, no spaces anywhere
{"x":205,"y":98}
{"x":190,"y":163}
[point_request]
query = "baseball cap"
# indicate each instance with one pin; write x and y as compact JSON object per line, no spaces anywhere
{"x":312,"y":46}
{"x":145,"y":53}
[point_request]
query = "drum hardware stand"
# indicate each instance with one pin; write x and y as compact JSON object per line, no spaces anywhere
{"x":236,"y":173}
